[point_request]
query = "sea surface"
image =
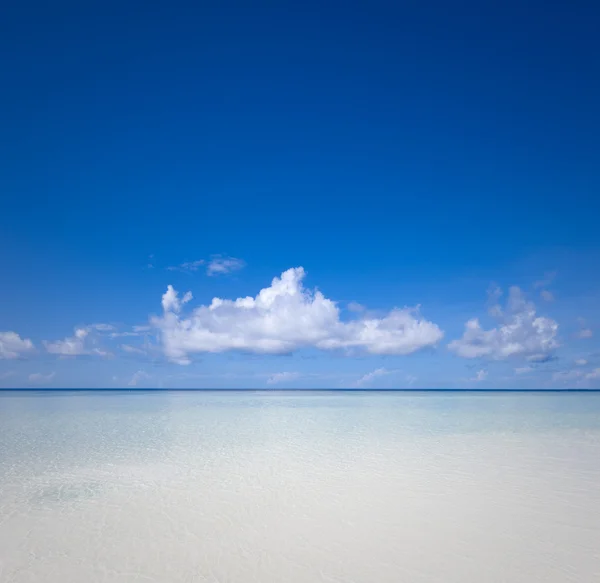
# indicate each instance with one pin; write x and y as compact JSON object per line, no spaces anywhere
{"x":299,"y":487}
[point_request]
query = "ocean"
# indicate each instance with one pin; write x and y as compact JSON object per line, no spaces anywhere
{"x":299,"y":487}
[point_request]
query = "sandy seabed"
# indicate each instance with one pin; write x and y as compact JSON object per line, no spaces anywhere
{"x":272,"y":488}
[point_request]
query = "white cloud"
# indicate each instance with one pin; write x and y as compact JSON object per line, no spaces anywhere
{"x":371,"y":376}
{"x":103,"y":327}
{"x":581,"y":362}
{"x":132,"y":349}
{"x":282,"y":377}
{"x":138,"y":377}
{"x":546,"y":295}
{"x":283,"y":318}
{"x":13,"y":346}
{"x":220,"y":265}
{"x":135,"y":331}
{"x":171,"y":301}
{"x":39,"y":378}
{"x":216,"y":265}
{"x":520,"y":333}
{"x":188,"y":266}
{"x":523,"y":369}
{"x":480,"y":376}
{"x":355,"y":307}
{"x":73,"y":345}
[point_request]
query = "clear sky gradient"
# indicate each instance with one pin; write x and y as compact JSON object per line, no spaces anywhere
{"x":426,"y":164}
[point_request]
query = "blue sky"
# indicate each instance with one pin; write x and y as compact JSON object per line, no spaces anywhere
{"x":414,"y":159}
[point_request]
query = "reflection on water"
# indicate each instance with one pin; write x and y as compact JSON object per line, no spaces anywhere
{"x":300,"y":487}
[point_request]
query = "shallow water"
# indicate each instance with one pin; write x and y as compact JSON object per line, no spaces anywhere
{"x":301,"y":487}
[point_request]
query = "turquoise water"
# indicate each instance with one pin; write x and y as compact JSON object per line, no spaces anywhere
{"x":299,"y":487}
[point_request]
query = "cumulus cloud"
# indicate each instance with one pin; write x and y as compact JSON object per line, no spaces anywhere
{"x":74,"y":345}
{"x":283,"y":318}
{"x":520,"y":332}
{"x":282,"y":377}
{"x":13,"y":346}
{"x":220,"y":265}
{"x":171,"y":302}
{"x":371,"y":376}
{"x":39,"y":378}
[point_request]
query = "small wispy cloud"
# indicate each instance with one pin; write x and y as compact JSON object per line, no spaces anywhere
{"x":411,"y":380}
{"x":282,"y":377}
{"x":216,"y":265}
{"x":368,"y":378}
{"x":138,"y":377}
{"x":581,"y":362}
{"x":132,"y":349}
{"x":39,"y":378}
{"x":144,"y":328}
{"x":355,"y":307}
{"x":546,"y":295}
{"x":480,"y":376}
{"x":221,"y":265}
{"x":103,"y":327}
{"x":134,"y":332}
{"x":188,"y":266}
{"x":523,"y":370}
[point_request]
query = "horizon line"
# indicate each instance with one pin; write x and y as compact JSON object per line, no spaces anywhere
{"x":296,"y":390}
